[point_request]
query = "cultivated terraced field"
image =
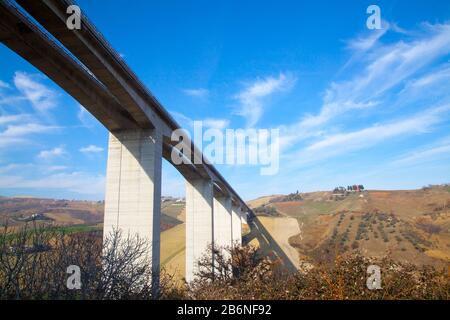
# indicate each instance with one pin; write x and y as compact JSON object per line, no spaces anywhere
{"x":66,"y":213}
{"x":411,"y":225}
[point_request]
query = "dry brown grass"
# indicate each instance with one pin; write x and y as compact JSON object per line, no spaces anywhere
{"x":422,"y":214}
{"x":344,"y":279}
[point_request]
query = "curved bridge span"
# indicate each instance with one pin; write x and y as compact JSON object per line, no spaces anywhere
{"x":90,"y":70}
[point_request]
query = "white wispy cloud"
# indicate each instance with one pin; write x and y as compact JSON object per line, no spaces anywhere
{"x":18,"y":134}
{"x":40,"y":96}
{"x":441,"y":75}
{"x":188,"y":123}
{"x":394,"y":63}
{"x":252,"y":97}
{"x":8,"y":97}
{"x":10,"y":100}
{"x":198,"y":93}
{"x":91,"y":149}
{"x":55,"y":168}
{"x":427,"y":154}
{"x":431,"y":152}
{"x":389,"y":65}
{"x":182,"y":119}
{"x":12,"y":141}
{"x":22,"y":167}
{"x":4,"y":84}
{"x":80,"y":182}
{"x":14,"y":167}
{"x":219,"y":124}
{"x":342,"y":143}
{"x":52,"y":153}
{"x":17,"y":129}
{"x":85,"y":117}
{"x":370,"y":38}
{"x":5,"y":119}
{"x":26,"y":129}
{"x":384,"y":68}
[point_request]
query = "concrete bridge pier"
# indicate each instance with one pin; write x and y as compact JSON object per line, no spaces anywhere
{"x":236,"y":225}
{"x":91,"y":71}
{"x":222,"y":222}
{"x":133,"y":189}
{"x":199,"y":223}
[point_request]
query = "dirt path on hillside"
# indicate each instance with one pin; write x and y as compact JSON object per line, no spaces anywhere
{"x":281,"y":229}
{"x":173,"y":250}
{"x":173,"y":242}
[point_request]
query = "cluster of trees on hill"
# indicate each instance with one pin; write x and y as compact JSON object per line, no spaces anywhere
{"x":339,"y":190}
{"x":432,"y":186}
{"x":266,"y":210}
{"x":296,"y":196}
{"x":353,"y":188}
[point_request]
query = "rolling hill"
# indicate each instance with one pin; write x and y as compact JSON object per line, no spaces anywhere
{"x":304,"y":229}
{"x":16,"y":211}
{"x":407,"y":225}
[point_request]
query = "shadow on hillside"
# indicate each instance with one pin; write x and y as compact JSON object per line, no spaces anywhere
{"x":266,"y":242}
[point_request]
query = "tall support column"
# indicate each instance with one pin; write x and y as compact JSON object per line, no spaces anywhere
{"x":222,"y":222}
{"x":199,"y":223}
{"x":133,"y":189}
{"x":237,"y":225}
{"x":244,"y":216}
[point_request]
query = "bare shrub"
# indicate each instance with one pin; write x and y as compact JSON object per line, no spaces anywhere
{"x":344,"y":278}
{"x":34,"y":261}
{"x":234,"y":273}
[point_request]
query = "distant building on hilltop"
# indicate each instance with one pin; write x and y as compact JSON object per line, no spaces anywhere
{"x":341,"y":192}
{"x":355,"y":188}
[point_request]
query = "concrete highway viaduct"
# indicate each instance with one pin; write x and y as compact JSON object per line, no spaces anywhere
{"x":83,"y":64}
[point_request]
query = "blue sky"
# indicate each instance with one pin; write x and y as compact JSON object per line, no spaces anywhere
{"x":353,"y":105}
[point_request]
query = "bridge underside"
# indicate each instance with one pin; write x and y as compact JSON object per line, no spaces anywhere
{"x":83,"y":64}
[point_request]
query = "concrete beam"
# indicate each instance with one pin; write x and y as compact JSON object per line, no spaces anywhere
{"x":21,"y":35}
{"x":133,"y":188}
{"x":96,"y":53}
{"x":199,"y":223}
{"x":222,"y":222}
{"x":128,"y":102}
{"x":245,"y":214}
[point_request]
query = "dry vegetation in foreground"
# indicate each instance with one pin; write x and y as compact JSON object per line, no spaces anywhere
{"x":248,"y":276}
{"x":33,"y":264}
